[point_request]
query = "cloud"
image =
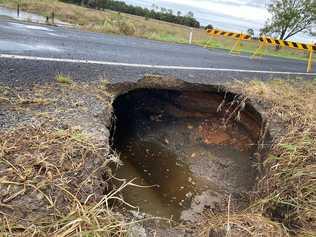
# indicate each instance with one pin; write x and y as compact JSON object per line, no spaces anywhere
{"x":241,"y":9}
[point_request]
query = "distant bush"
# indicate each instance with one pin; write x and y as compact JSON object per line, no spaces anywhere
{"x":116,"y":23}
{"x":126,"y":27}
{"x":163,"y":14}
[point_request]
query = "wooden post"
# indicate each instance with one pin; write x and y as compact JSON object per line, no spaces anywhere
{"x":53,"y":18}
{"x":18,"y":10}
{"x":191,"y":36}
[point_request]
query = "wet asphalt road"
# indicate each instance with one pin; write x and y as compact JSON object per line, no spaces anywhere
{"x":27,"y":39}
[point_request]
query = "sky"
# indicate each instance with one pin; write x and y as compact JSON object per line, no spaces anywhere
{"x":229,"y":15}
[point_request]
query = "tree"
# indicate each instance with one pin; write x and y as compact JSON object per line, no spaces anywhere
{"x":209,"y":27}
{"x":250,"y":32}
{"x":163,"y":9}
{"x":190,"y":14}
{"x":290,"y":17}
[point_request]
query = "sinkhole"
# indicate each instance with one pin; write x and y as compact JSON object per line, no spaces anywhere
{"x":193,"y":147}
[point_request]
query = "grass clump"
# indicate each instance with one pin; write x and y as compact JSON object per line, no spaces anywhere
{"x":64,"y":79}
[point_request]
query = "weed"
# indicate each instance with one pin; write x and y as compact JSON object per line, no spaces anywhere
{"x":65,"y":79}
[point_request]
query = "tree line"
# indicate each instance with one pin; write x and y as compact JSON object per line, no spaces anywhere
{"x":162,"y":14}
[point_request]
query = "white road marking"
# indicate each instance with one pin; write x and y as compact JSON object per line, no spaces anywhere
{"x":66,"y":60}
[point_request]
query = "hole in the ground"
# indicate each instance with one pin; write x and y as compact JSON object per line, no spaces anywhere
{"x":190,"y":145}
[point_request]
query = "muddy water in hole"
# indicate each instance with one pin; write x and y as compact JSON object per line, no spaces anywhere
{"x":180,"y":163}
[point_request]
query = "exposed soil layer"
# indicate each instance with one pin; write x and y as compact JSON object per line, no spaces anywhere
{"x":195,"y":146}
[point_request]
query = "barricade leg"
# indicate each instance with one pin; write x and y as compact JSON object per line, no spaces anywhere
{"x":235,"y":48}
{"x":310,"y":61}
{"x":258,"y":51}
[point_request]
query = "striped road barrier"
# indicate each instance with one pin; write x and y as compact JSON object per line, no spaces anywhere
{"x":290,"y":44}
{"x":238,"y":36}
{"x":264,"y":41}
{"x":216,"y":32}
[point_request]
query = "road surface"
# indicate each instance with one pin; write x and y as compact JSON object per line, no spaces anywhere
{"x":36,"y":53}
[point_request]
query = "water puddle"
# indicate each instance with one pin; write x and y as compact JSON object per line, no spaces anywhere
{"x":6,"y":45}
{"x":154,"y":165}
{"x":184,"y":151}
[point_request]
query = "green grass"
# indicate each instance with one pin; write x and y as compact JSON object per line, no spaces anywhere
{"x":64,"y":79}
{"x":166,"y":37}
{"x":249,"y":47}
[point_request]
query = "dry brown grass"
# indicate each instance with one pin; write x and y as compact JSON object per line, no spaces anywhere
{"x":54,"y":177}
{"x":49,"y":170}
{"x":286,"y":195}
{"x":241,"y":224}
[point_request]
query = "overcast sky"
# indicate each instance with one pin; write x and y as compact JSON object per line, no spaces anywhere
{"x":231,"y":15}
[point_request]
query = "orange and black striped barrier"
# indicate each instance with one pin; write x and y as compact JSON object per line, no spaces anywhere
{"x":263,"y":42}
{"x":290,"y":44}
{"x":216,"y":32}
{"x":283,"y":43}
{"x":238,"y":36}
